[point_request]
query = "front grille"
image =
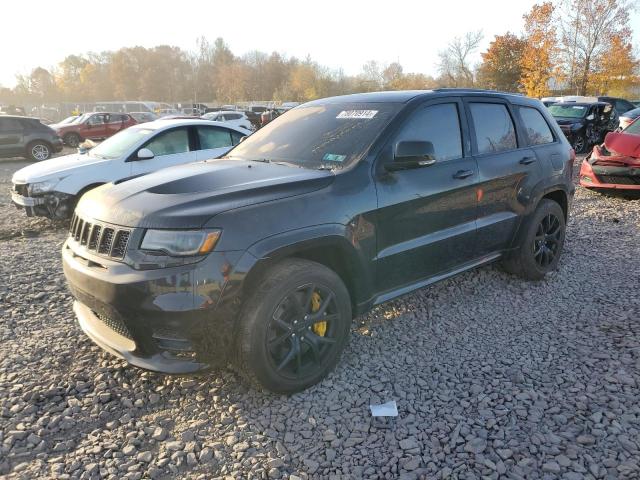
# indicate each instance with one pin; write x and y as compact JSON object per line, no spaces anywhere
{"x":619,"y":179}
{"x":116,"y":324}
{"x":103,"y":239}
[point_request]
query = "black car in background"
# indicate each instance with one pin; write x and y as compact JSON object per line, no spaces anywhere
{"x":27,"y":137}
{"x":583,"y":123}
{"x":263,"y":257}
{"x":620,"y":104}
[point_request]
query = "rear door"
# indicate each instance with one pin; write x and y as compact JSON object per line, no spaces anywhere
{"x":215,"y":141}
{"x":427,"y":216}
{"x":11,"y":136}
{"x":169,"y":147}
{"x":508,"y":171}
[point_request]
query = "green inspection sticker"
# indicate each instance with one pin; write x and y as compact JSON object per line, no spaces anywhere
{"x":333,"y":157}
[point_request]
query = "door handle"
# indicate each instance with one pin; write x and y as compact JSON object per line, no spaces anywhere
{"x":460,"y":174}
{"x":527,"y":160}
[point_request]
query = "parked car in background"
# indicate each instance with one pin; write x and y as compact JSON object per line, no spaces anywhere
{"x":93,"y":126}
{"x":52,"y":188}
{"x":262,"y":258}
{"x":628,"y":117}
{"x":27,"y":137}
{"x":615,"y":165}
{"x":620,"y":104}
{"x":142,"y":117}
{"x":583,"y":123}
{"x":65,"y":121}
{"x":235,"y":118}
{"x":194,"y":112}
{"x":636,"y":102}
{"x":254,"y":119}
{"x":163,"y":112}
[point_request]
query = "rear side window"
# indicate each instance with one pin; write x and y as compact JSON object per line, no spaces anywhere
{"x":170,"y":143}
{"x":537,"y":128}
{"x":494,"y":128}
{"x":211,"y":137}
{"x":438,"y":124}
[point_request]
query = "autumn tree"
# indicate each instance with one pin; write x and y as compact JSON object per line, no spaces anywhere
{"x":616,"y":71}
{"x":454,"y":65}
{"x":501,"y":67}
{"x":588,"y":28}
{"x":539,"y":55}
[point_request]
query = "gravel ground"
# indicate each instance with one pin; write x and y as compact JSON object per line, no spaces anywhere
{"x":494,"y":378}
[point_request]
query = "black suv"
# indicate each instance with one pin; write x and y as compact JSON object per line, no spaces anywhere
{"x":584,"y":123}
{"x":27,"y":137}
{"x":263,"y":257}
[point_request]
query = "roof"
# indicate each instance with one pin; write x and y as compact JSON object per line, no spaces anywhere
{"x":404,"y":96}
{"x":161,"y":124}
{"x":580,"y":104}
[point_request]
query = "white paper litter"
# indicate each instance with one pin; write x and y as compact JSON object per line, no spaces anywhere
{"x":389,"y":409}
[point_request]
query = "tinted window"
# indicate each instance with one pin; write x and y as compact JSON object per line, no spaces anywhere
{"x":211,"y":137}
{"x":235,"y":137}
{"x":623,"y":106}
{"x":10,"y":125}
{"x":233,"y":116}
{"x":438,"y":124}
{"x":169,"y":143}
{"x":494,"y":128}
{"x":96,"y":119}
{"x":537,"y":129}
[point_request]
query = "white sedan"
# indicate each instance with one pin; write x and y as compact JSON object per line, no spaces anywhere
{"x":236,"y":119}
{"x":52,"y":188}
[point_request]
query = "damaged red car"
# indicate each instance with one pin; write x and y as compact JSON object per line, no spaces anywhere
{"x":614,"y":165}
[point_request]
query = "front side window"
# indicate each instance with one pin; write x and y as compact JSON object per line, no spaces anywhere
{"x":494,"y":128}
{"x":96,"y":120}
{"x":438,"y":124}
{"x":170,"y":143}
{"x":211,"y":137}
{"x":537,"y":129}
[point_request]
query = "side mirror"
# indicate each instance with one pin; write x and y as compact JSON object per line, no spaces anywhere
{"x":145,"y":154}
{"x":412,"y":154}
{"x":590,"y":116}
{"x":242,"y":139}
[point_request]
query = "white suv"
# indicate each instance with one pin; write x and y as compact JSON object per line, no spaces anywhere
{"x":52,"y":188}
{"x":236,"y":119}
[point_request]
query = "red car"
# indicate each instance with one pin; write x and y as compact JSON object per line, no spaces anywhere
{"x":93,"y":126}
{"x":614,"y":165}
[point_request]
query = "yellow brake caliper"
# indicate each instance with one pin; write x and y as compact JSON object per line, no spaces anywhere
{"x":319,"y":328}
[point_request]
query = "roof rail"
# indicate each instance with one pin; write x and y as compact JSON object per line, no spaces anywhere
{"x":474,"y":90}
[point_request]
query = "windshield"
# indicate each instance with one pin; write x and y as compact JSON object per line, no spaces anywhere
{"x":81,"y":118}
{"x":319,"y":136}
{"x":568,"y":111}
{"x":70,"y":119}
{"x":121,"y":143}
{"x":634,"y":128}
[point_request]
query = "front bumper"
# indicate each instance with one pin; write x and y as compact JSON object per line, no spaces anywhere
{"x":169,"y":320}
{"x":53,"y":205}
{"x":57,"y":144}
{"x":600,"y":177}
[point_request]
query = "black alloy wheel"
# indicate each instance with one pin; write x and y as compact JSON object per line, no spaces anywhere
{"x":547,"y":241}
{"x":302,"y":331}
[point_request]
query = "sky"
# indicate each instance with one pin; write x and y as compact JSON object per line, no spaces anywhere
{"x":338,"y":34}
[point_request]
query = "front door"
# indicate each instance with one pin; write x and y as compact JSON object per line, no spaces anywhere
{"x":508,"y":171}
{"x":427,"y":215}
{"x":171,"y":147}
{"x":95,"y":127}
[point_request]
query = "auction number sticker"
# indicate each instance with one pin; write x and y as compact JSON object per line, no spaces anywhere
{"x":366,"y":114}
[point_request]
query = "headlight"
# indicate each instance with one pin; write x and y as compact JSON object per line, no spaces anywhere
{"x":42,"y":187}
{"x":180,"y":242}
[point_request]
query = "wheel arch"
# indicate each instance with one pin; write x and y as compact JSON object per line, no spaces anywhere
{"x":333,"y":251}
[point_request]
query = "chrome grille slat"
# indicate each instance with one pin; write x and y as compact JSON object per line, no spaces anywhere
{"x":120,"y":244}
{"x":84,"y":236}
{"x":93,"y":238}
{"x":106,"y":242}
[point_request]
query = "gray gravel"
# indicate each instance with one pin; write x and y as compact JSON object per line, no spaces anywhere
{"x":494,"y":378}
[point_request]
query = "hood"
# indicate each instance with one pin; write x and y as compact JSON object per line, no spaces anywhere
{"x":187,"y":196}
{"x":54,"y":168}
{"x":624,"y":144}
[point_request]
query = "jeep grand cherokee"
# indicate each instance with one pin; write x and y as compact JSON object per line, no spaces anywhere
{"x":262,"y":258}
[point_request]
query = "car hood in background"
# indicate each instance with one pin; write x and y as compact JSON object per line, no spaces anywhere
{"x":568,"y":121}
{"x":55,"y":168}
{"x":187,"y":196}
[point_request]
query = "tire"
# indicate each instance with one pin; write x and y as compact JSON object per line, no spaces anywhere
{"x":580,"y":144}
{"x":72,"y":139}
{"x":278,"y":349}
{"x":535,"y":257}
{"x":38,"y":151}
